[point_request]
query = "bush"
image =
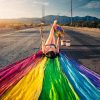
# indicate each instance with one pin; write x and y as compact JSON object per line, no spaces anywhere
{"x":91,"y":24}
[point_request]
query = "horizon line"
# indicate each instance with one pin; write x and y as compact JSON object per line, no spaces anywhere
{"x":45,"y":16}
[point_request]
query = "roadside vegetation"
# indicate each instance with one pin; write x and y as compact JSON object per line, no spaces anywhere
{"x":16,"y":26}
{"x":90,"y":24}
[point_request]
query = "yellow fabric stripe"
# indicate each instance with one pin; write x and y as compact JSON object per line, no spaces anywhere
{"x":29,"y":87}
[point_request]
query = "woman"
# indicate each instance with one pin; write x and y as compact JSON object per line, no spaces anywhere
{"x":51,"y":47}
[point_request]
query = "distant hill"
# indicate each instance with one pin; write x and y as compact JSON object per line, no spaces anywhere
{"x":50,"y":19}
{"x":66,"y":19}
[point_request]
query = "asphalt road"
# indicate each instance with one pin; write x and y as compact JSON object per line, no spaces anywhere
{"x":84,"y":48}
{"x":17,"y":45}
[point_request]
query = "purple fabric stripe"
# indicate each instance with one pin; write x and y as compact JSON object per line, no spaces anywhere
{"x":93,"y":77}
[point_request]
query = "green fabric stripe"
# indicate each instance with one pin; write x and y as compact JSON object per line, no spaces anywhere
{"x":56,"y":85}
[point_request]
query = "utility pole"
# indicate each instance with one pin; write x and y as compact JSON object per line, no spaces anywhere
{"x":71,"y":12}
{"x":43,"y":12}
{"x":42,"y":4}
{"x":42,"y":23}
{"x":58,"y":18}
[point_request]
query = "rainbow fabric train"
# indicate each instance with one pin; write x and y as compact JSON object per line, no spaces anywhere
{"x":41,"y":78}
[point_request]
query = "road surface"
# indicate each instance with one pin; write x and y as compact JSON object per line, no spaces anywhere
{"x":84,"y":48}
{"x":17,"y":45}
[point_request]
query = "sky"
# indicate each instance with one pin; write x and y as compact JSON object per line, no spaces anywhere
{"x":32,"y":8}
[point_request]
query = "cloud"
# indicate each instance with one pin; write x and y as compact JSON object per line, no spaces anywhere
{"x":40,"y":2}
{"x":93,"y":4}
